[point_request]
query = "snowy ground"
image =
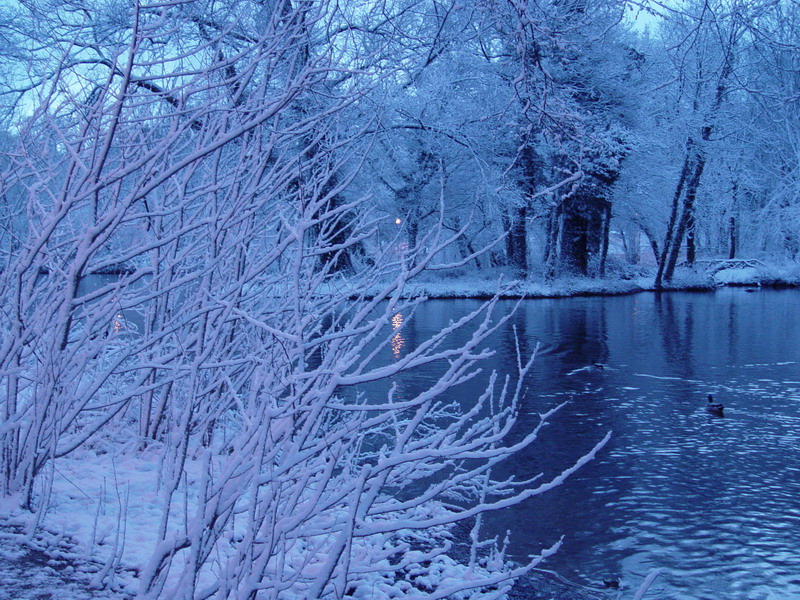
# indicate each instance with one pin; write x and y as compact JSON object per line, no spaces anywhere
{"x":29,"y":573}
{"x":78,"y":553}
{"x":105,"y":510}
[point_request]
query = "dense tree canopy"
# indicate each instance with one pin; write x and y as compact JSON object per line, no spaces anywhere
{"x":553,"y":123}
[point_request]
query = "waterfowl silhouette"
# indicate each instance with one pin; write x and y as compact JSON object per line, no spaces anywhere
{"x":595,"y":367}
{"x":611,"y":584}
{"x":715,"y":408}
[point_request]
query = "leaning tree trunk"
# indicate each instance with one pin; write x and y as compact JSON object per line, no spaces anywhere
{"x":673,"y":215}
{"x":691,"y":242}
{"x":688,"y":207}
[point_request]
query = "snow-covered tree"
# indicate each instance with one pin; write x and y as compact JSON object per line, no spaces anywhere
{"x":567,"y":71}
{"x":710,"y":88}
{"x":187,"y":174}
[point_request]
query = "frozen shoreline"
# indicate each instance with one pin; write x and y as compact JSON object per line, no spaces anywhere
{"x":51,"y":560}
{"x":481,"y":288}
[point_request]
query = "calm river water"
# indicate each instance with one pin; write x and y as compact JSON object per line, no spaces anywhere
{"x":713,"y":502}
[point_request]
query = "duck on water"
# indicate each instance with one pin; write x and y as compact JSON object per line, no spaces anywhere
{"x":715,"y":408}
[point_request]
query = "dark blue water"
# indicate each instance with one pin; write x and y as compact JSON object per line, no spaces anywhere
{"x":713,"y":502}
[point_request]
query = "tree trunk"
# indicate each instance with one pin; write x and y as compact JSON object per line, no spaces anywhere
{"x":573,"y":251}
{"x":604,"y":241}
{"x":517,"y":241}
{"x":551,"y":249}
{"x":412,"y":227}
{"x":631,"y":244}
{"x":691,"y":248}
{"x":653,"y":246}
{"x":732,"y":220}
{"x":688,"y":207}
{"x":509,"y":243}
{"x":673,"y":215}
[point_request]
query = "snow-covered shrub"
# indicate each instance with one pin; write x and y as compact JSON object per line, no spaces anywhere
{"x":206,"y":161}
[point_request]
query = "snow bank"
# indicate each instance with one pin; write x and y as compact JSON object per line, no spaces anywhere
{"x":482,"y":285}
{"x":741,"y":276}
{"x":102,"y":525}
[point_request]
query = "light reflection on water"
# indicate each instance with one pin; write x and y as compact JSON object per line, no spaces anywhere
{"x":713,"y":502}
{"x":398,"y":341}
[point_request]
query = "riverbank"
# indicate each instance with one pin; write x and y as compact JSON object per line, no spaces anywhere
{"x":537,"y":584}
{"x":459,"y":284}
{"x":96,"y":537}
{"x":50,"y":566}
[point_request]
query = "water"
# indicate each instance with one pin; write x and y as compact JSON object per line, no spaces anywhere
{"x":713,"y":502}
